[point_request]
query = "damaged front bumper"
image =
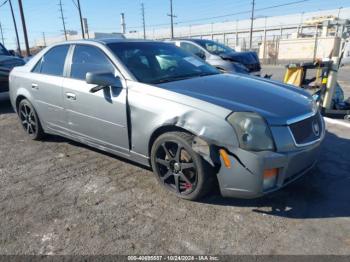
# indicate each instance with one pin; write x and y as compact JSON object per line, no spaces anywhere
{"x":245,"y":176}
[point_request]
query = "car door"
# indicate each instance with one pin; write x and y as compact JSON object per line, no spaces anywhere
{"x":101,"y":117}
{"x":193,"y":49}
{"x":45,"y":84}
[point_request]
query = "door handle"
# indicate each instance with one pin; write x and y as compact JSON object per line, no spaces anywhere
{"x":71,"y":96}
{"x":35,"y":86}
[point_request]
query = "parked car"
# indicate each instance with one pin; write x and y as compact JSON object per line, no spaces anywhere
{"x":8,"y":61}
{"x":221,"y":56}
{"x":155,"y":104}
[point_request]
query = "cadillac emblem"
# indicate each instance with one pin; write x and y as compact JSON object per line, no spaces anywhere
{"x":316,"y":128}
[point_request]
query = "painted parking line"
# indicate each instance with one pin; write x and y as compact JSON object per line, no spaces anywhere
{"x":337,"y":122}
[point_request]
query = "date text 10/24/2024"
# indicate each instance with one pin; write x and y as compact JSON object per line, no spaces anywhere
{"x":173,"y":258}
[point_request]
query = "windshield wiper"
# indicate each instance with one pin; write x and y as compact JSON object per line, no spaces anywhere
{"x":207,"y":74}
{"x":179,"y":78}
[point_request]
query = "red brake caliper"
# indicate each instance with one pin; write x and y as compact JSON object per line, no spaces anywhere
{"x":188,"y":185}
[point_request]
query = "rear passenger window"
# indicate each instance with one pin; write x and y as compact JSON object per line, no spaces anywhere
{"x":89,"y":59}
{"x":52,"y":63}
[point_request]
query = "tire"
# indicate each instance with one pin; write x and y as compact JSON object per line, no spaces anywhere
{"x":29,"y":120}
{"x":182,"y":172}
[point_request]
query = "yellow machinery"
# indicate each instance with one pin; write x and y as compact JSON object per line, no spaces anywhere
{"x":322,"y":85}
{"x":296,"y":74}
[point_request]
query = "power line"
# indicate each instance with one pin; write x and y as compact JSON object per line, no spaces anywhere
{"x":75,"y":3}
{"x":4,"y":3}
{"x":14,"y":23}
{"x":223,"y":16}
{"x":242,"y":12}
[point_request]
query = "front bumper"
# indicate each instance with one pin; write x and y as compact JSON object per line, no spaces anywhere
{"x":244,"y":179}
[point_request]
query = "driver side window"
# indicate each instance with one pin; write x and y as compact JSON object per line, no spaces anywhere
{"x":89,"y":59}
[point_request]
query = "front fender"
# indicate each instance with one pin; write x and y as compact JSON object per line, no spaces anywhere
{"x":152,"y":108}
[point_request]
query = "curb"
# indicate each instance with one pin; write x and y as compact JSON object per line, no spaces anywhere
{"x":336,"y":122}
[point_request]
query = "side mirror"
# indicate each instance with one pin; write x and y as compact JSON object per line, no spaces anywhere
{"x":102,"y":80}
{"x":200,"y":55}
{"x":12,"y":52}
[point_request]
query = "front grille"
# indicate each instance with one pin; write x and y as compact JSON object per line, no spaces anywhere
{"x":307,"y":130}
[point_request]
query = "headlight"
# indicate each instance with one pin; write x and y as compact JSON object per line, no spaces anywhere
{"x":252,"y":131}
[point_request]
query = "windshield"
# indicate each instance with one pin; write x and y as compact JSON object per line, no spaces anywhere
{"x":214,"y":47}
{"x":154,"y":62}
{"x":3,"y":50}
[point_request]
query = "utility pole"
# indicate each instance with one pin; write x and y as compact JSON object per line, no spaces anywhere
{"x":44,"y":39}
{"x":2,"y":35}
{"x":122,"y":23}
{"x":63,"y":22}
{"x":81,"y":20}
{"x":16,"y":31}
{"x":24,"y":27}
{"x":143,"y":20}
{"x":264,"y":50}
{"x":300,"y":28}
{"x":172,"y":16}
{"x":86,"y":27}
{"x":236,"y":34}
{"x":251,"y":26}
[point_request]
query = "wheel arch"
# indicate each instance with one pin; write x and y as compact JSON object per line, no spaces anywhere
{"x":20,"y":94}
{"x":19,"y":98}
{"x":207,"y":150}
{"x":162,"y":130}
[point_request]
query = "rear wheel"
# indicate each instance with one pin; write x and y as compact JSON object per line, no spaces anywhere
{"x":30,"y":120}
{"x":178,"y":168}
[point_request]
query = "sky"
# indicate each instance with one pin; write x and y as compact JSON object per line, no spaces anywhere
{"x":104,"y":15}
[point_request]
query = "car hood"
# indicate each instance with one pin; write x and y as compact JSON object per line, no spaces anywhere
{"x":246,"y":58}
{"x":10,"y":61}
{"x":276,"y":102}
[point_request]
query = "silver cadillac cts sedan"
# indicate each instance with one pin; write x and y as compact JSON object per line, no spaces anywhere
{"x":158,"y":105}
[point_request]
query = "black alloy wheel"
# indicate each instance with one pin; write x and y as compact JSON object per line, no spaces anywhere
{"x":29,"y":120}
{"x":178,"y":168}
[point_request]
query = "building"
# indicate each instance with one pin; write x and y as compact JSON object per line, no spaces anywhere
{"x":235,"y":33}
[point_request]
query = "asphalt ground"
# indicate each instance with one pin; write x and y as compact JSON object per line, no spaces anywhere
{"x":61,"y":197}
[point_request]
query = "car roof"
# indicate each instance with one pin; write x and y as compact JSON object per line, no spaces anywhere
{"x":189,"y":39}
{"x":106,"y":41}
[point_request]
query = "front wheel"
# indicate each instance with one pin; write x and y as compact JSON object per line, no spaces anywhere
{"x":178,"y":168}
